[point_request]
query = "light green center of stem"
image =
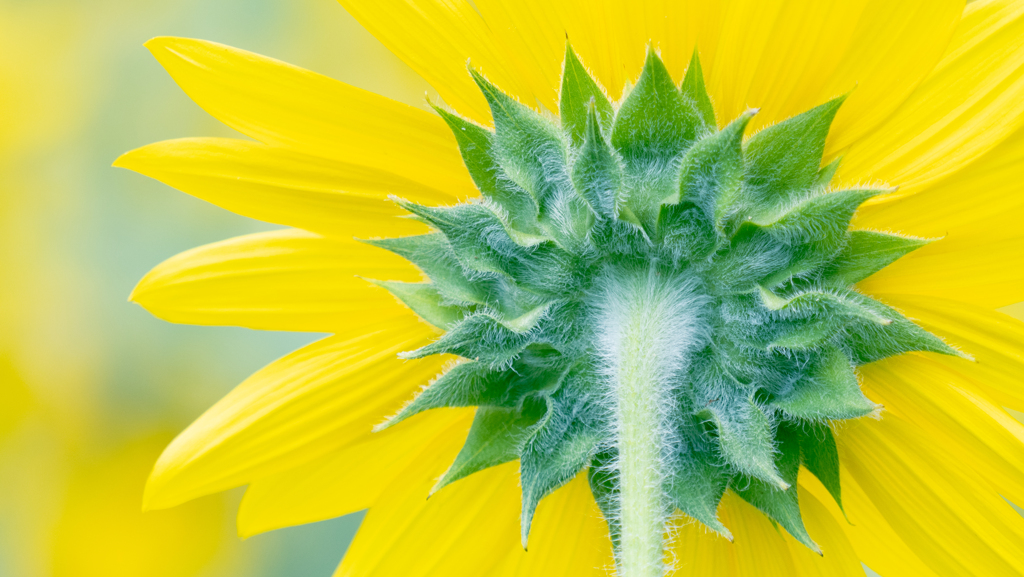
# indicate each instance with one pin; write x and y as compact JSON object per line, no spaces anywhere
{"x":648,"y":325}
{"x":639,"y":442}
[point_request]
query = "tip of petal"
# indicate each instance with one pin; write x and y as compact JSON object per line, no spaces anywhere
{"x":159,"y":43}
{"x":122,"y":161}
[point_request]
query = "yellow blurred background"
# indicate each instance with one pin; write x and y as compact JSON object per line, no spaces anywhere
{"x":92,"y":387}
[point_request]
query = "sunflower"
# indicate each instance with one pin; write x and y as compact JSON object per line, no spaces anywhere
{"x":689,"y":288}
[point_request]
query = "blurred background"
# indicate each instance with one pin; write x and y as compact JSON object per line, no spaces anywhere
{"x":92,"y":387}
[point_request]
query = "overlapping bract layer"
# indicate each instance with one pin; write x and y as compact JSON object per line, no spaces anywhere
{"x":651,"y":184}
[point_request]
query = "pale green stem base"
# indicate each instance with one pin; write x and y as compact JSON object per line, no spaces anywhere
{"x":649,"y":325}
{"x":642,"y":511}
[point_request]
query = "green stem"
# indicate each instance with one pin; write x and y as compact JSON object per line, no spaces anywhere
{"x":639,"y":442}
{"x":649,"y":325}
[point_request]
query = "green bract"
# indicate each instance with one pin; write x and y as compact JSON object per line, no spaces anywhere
{"x":636,"y":245}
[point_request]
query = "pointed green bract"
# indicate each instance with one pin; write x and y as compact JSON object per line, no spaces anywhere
{"x":485,"y":338}
{"x":874,"y":342}
{"x":781,"y":505}
{"x":599,"y":225}
{"x":425,"y":300}
{"x":783,"y":160}
{"x":744,"y":434}
{"x":597,"y":174}
{"x":655,"y":123}
{"x":867,"y":252}
{"x":530,"y":150}
{"x":434,"y":256}
{"x":696,"y":94}
{"x":819,"y":454}
{"x":561,"y":446}
{"x":829,"y":391}
{"x":696,"y":484}
{"x":475,"y":144}
{"x":579,"y":90}
{"x":536,"y":372}
{"x":711,"y":173}
{"x":653,"y":127}
{"x":464,"y":226}
{"x":496,"y":437}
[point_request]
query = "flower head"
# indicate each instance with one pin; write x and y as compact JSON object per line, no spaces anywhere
{"x":661,"y":306}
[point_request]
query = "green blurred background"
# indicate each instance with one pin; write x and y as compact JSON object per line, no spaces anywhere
{"x":92,"y":387}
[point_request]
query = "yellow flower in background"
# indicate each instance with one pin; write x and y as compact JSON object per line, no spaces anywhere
{"x":653,"y":306}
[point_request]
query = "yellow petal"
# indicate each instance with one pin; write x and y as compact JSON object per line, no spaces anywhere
{"x":283,"y":105}
{"x":994,"y":339}
{"x":839,"y":558}
{"x":955,"y":522}
{"x":892,"y":49}
{"x":875,"y":542}
{"x":972,"y":100}
{"x":283,"y":280}
{"x":436,"y":39}
{"x":611,"y":37}
{"x":984,"y":268}
{"x":951,"y":411}
{"x":758,"y":547}
{"x":308,"y":404}
{"x":981,"y":197}
{"x":283,"y":187}
{"x":350,"y":479}
{"x":531,"y":38}
{"x":696,"y":552}
{"x":787,"y":57}
{"x":461,"y":531}
{"x":568,"y":537}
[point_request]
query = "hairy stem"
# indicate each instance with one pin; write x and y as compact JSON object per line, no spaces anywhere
{"x":649,"y":325}
{"x":639,"y":442}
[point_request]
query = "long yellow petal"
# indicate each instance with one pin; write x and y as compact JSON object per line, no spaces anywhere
{"x":955,"y":522}
{"x":949,"y":410}
{"x":568,"y":538}
{"x":282,"y":280}
{"x":839,"y":558}
{"x":462,"y":531}
{"x":283,"y":187}
{"x":994,"y":339}
{"x":350,"y":479}
{"x":875,"y":542}
{"x":983,"y":268}
{"x":695,"y":551}
{"x":787,"y":57}
{"x":436,"y":39}
{"x":971,"y":102}
{"x":893,"y":48}
{"x":611,"y":37}
{"x":982,"y":197}
{"x":531,"y":37}
{"x":283,"y":105}
{"x":308,"y":404}
{"x":758,"y":547}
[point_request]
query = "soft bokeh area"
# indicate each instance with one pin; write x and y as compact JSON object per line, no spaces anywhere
{"x":92,"y":387}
